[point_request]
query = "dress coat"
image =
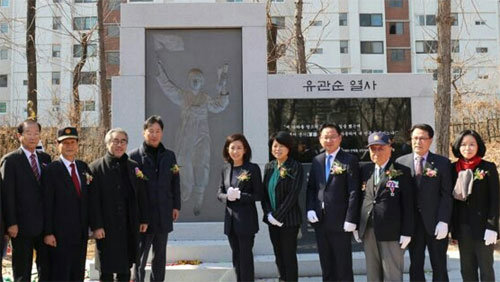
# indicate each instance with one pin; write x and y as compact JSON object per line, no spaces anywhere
{"x":163,"y":187}
{"x":340,"y":193}
{"x":391,"y":212}
{"x":481,"y":207}
{"x":434,"y":193}
{"x":107,"y":212}
{"x":65,"y":212}
{"x":22,"y":193}
{"x":241,"y":214}
{"x":287,"y":193}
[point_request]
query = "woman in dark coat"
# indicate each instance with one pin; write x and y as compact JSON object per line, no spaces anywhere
{"x":239,"y":189}
{"x":475,"y":211}
{"x":118,"y":203}
{"x":283,"y":179}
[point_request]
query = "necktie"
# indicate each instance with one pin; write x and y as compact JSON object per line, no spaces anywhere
{"x":420,"y":167}
{"x":328,"y":167}
{"x":377,"y":175}
{"x":74,"y":177}
{"x":34,"y":167}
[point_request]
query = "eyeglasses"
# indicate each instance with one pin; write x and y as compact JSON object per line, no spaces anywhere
{"x":119,"y":141}
{"x":417,"y":139}
{"x":330,"y":137}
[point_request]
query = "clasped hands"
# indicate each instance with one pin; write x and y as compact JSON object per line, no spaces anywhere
{"x":233,"y":194}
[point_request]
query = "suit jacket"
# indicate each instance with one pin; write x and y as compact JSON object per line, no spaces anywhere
{"x":287,"y":193}
{"x":390,"y":212}
{"x":241,"y":214}
{"x":480,"y":210}
{"x":340,"y":193}
{"x":65,"y":212}
{"x":433,"y":199}
{"x":22,"y":192}
{"x":163,"y":187}
{"x":107,"y":211}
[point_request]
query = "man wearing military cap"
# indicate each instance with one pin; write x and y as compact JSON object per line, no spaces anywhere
{"x":386,"y":222}
{"x":66,"y":210}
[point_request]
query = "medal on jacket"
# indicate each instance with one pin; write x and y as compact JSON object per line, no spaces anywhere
{"x":392,"y":185}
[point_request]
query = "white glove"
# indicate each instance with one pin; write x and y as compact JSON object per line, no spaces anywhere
{"x":490,"y":237}
{"x":349,"y":227}
{"x":311,"y":216}
{"x":273,"y":220}
{"x":356,"y":236}
{"x":237,"y":193}
{"x":404,"y":241}
{"x":441,"y":230}
{"x":231,"y":194}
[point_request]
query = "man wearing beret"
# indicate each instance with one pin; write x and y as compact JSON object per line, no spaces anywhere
{"x":65,"y":198}
{"x":386,"y":223}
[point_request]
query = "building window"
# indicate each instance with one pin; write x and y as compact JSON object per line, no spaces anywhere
{"x":239,"y":1}
{"x":480,"y":22}
{"x":88,"y":77}
{"x":112,"y":31}
{"x":371,"y":71}
{"x":396,"y":28}
{"x":344,"y":47}
{"x":279,"y":22}
{"x":91,"y":50}
{"x":397,"y":55}
{"x":25,"y":82}
{"x":88,"y":106}
{"x":56,"y":1}
{"x":3,"y":80}
{"x":56,"y":78}
{"x":3,"y":107}
{"x":434,"y":73}
{"x":4,"y":28}
{"x":56,"y":51}
{"x":372,"y":47}
{"x":113,"y":58}
{"x":455,"y":19}
{"x":426,"y":19}
{"x":114,"y":5}
{"x":4,"y":54}
{"x":396,"y":3}
{"x":426,"y":46}
{"x":4,"y":3}
{"x":455,"y":46}
{"x":482,"y":50}
{"x":370,"y":19}
{"x":316,"y":23}
{"x":343,"y":19}
{"x":85,"y":1}
{"x":344,"y":70}
{"x":84,"y":23}
{"x":56,"y":23}
{"x":316,"y":50}
{"x":482,"y":76}
{"x":278,"y":1}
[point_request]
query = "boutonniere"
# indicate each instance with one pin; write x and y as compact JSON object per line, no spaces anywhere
{"x":431,"y":172}
{"x":89,"y":178}
{"x":392,"y":185}
{"x":337,"y":168}
{"x":393,"y":173}
{"x":175,"y":169}
{"x":139,"y":174}
{"x":479,"y":174}
{"x":363,"y":186}
{"x":284,"y":172}
{"x":244,"y":176}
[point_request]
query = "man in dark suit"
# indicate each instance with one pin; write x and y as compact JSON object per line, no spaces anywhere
{"x":118,"y":207}
{"x":160,"y":167}
{"x":332,"y":204}
{"x":431,"y":175}
{"x":65,"y":199}
{"x":386,"y":223}
{"x":22,"y":171}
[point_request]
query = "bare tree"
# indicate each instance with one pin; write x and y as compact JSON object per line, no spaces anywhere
{"x":76,"y":109}
{"x":442,"y":99}
{"x":299,"y":38}
{"x":105,"y":93}
{"x":32,"y":107}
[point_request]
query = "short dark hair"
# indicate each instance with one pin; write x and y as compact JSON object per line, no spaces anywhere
{"x":152,"y":120}
{"x":237,"y":137}
{"x":424,"y":127}
{"x":284,"y":138}
{"x":329,"y":125}
{"x":22,"y":125}
{"x":481,"y":148}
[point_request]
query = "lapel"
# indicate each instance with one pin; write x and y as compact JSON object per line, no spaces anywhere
{"x":40,"y":162}
{"x":227,"y":175}
{"x":383,"y":178}
{"x":27,"y":165}
{"x":145,"y":158}
{"x":83,"y":177}
{"x":131,"y":176}
{"x":338,"y":159}
{"x":369,"y":188}
{"x":67,"y":177}
{"x":321,"y":160}
{"x":285,"y":165}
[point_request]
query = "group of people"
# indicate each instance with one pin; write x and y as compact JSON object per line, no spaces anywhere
{"x":130,"y":201}
{"x":390,"y":205}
